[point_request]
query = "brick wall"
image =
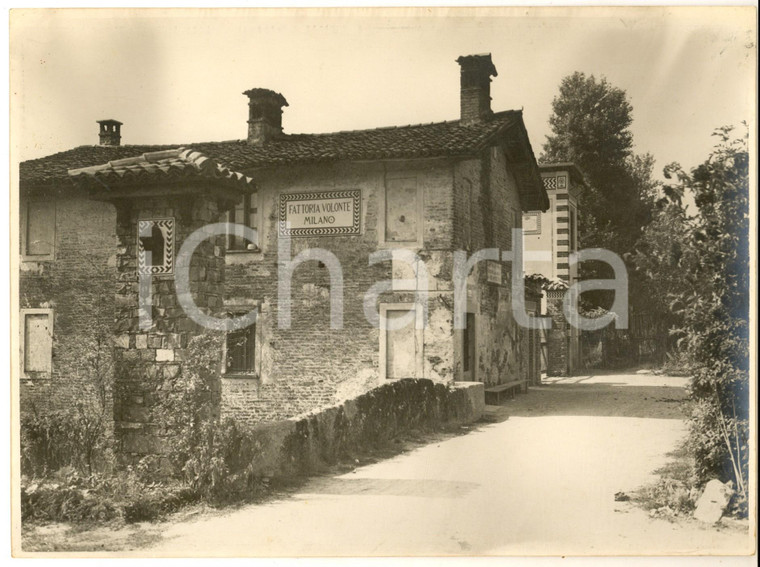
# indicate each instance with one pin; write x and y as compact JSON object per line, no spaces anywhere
{"x":311,"y":365}
{"x":78,"y":286}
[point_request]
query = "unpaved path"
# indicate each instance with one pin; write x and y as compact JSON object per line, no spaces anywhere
{"x":539,"y":479}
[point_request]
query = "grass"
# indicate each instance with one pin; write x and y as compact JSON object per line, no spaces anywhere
{"x":674,"y":494}
{"x":119,"y":535}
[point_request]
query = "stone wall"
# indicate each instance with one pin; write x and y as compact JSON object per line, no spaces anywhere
{"x":148,"y":360}
{"x":305,"y":444}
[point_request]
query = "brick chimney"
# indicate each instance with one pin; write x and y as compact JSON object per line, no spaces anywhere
{"x":264,"y":115}
{"x":475,"y":87}
{"x":110,"y":132}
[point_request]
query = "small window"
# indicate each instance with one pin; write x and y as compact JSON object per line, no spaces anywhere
{"x":241,"y":351}
{"x":39,"y":230}
{"x":245,"y":213}
{"x":36,"y":341}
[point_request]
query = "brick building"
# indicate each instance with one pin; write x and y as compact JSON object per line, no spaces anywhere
{"x":555,"y":232}
{"x":90,"y":215}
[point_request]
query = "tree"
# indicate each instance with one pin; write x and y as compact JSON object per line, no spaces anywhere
{"x":590,"y":125}
{"x":700,"y":265}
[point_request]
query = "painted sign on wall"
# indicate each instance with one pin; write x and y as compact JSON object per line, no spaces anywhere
{"x":493,"y":272}
{"x":329,"y":213}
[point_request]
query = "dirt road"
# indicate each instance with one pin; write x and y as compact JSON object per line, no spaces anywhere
{"x":540,"y":478}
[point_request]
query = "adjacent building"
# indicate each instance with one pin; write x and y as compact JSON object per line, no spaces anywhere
{"x":550,"y":237}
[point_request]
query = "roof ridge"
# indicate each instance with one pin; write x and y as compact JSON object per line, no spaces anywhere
{"x":500,"y":114}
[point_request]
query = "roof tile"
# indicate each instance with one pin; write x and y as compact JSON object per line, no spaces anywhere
{"x":424,"y":140}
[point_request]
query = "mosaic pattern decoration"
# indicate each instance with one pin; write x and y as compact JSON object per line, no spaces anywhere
{"x":155,"y":236}
{"x":557,"y":182}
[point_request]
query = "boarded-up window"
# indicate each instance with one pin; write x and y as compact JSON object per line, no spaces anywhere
{"x":401,"y":351}
{"x":39,"y":234}
{"x":401,"y":206}
{"x":37,"y":340}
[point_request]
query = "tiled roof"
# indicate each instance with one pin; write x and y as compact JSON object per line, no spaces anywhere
{"x":424,"y":140}
{"x":168,"y":165}
{"x":548,"y":284}
{"x":441,"y":139}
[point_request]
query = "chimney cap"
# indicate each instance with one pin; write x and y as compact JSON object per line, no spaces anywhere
{"x":109,"y":121}
{"x":266,"y":93}
{"x":480,"y":59}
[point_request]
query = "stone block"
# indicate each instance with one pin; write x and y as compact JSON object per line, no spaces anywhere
{"x":713,"y":502}
{"x":141,"y":341}
{"x":121,"y":341}
{"x":171,"y":371}
{"x":164,"y":355}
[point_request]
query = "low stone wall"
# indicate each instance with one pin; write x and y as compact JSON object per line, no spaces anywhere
{"x":304,"y":444}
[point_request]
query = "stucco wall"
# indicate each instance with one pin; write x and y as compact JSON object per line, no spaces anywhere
{"x":488,"y":209}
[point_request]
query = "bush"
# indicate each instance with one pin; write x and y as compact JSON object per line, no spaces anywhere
{"x":676,"y":363}
{"x":67,"y":462}
{"x":213,"y":456}
{"x":701,"y":264}
{"x":68,"y":496}
{"x":669,"y":497}
{"x":75,"y":438}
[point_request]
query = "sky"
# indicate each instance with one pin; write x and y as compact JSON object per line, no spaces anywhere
{"x":177,"y":77}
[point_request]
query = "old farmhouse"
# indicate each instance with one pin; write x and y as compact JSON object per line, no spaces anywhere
{"x":91,"y":214}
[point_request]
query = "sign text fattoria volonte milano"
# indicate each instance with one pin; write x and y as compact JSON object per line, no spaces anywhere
{"x":328,"y":213}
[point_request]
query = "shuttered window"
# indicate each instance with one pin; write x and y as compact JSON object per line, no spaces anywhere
{"x":37,"y":341}
{"x":39,"y":230}
{"x":245,"y":213}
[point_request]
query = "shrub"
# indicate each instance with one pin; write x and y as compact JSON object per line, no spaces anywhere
{"x":213,"y":456}
{"x":75,"y":438}
{"x":668,"y":497}
{"x":68,"y":496}
{"x":676,"y":363}
{"x":701,"y":264}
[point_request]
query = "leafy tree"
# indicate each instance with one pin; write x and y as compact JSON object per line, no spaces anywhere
{"x":700,"y":265}
{"x":590,"y":125}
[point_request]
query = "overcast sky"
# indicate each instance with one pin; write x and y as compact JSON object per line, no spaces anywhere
{"x":177,"y":77}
